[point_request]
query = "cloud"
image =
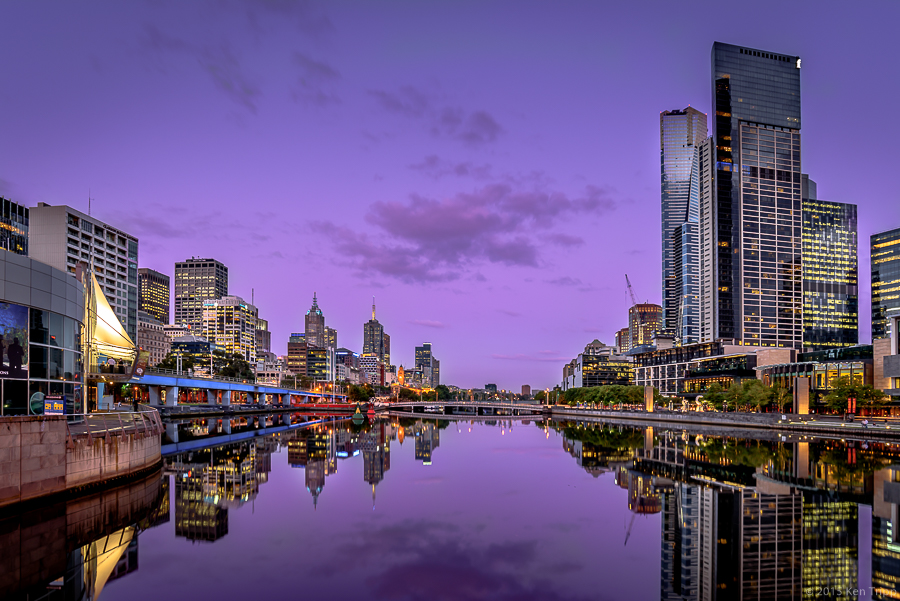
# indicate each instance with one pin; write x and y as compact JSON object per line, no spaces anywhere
{"x":428,"y":240}
{"x":315,"y":83}
{"x":219,"y":62}
{"x":428,"y":323}
{"x":434,"y":167}
{"x":303,"y":15}
{"x":472,"y":128}
{"x":564,"y":240}
{"x":510,"y":313}
{"x":565,"y":281}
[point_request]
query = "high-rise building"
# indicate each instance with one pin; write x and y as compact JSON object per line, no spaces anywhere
{"x":263,"y":338}
{"x":756,"y":217}
{"x":296,"y":354}
{"x":375,"y":341}
{"x":623,"y":340}
{"x":315,"y":325}
{"x":830,"y":286}
{"x":429,"y":365}
{"x":330,"y":338}
{"x":153,"y":294}
{"x":61,"y":237}
{"x":885,"y":281}
{"x":197,"y":281}
{"x":681,"y":135}
{"x":230,"y":323}
{"x":152,"y":338}
{"x":13,"y":227}
{"x":644,"y":320}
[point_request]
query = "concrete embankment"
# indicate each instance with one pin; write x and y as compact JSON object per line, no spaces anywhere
{"x":753,"y":425}
{"x":42,"y":455}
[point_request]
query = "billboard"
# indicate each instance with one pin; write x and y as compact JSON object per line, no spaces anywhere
{"x":13,"y":341}
{"x":55,"y":404}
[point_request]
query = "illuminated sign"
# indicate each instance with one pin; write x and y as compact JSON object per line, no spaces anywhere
{"x":55,"y":404}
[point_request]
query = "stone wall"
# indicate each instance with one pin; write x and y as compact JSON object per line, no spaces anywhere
{"x":38,"y":459}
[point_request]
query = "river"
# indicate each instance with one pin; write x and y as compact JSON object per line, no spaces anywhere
{"x":497,"y":508}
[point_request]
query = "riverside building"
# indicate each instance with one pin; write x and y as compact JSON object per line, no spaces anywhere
{"x":230,"y":324}
{"x":885,"y":251}
{"x":197,"y":281}
{"x":755,"y":245}
{"x":153,"y":294}
{"x":830,"y":286}
{"x":644,"y":321}
{"x":60,"y":236}
{"x":681,"y":134}
{"x":13,"y":227}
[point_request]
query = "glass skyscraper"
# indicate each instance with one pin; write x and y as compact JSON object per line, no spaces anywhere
{"x":885,"y":281}
{"x":754,"y":250}
{"x":681,"y":133}
{"x":830,"y":276}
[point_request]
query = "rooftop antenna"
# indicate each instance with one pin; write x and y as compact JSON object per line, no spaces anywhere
{"x":89,"y":201}
{"x":373,"y":308}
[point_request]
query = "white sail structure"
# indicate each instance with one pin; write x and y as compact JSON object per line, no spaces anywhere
{"x":106,"y":337}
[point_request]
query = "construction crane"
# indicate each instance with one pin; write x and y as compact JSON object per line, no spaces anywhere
{"x":630,"y":291}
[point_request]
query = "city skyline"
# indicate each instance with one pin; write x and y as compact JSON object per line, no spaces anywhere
{"x":471,"y":195}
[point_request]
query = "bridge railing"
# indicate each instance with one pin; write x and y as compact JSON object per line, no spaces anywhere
{"x":114,"y":423}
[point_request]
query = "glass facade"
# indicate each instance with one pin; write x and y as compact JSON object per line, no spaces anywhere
{"x":197,"y":280}
{"x":757,"y":204}
{"x":830,"y":286}
{"x":885,"y":281}
{"x":681,"y":134}
{"x":13,"y":227}
{"x":153,"y":294}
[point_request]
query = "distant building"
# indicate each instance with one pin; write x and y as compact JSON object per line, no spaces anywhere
{"x":315,"y":325}
{"x":526,"y":390}
{"x":230,"y":324}
{"x":830,"y":275}
{"x":153,"y":294}
{"x":885,"y":281}
{"x":330,"y":338}
{"x":174,"y":330}
{"x":60,"y":236}
{"x":429,"y":365}
{"x":373,"y":368}
{"x":263,"y":337}
{"x":375,"y":341}
{"x":644,"y":320}
{"x":317,"y":364}
{"x":490,"y":388}
{"x":598,"y":365}
{"x":623,"y":340}
{"x":196,"y":281}
{"x":13,"y":227}
{"x":152,"y":338}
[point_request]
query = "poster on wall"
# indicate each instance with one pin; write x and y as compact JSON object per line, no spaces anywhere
{"x":55,"y":404}
{"x":13,"y":342}
{"x":140,"y":364}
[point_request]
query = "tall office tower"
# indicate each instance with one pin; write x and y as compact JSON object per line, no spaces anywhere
{"x":885,"y":281}
{"x":296,"y":354}
{"x":644,"y":320}
{"x":708,"y":242}
{"x":13,"y":227}
{"x":756,"y":217}
{"x":830,"y":286}
{"x":315,"y":325}
{"x":153,"y":294}
{"x":60,"y":236}
{"x":330,"y":338}
{"x":429,"y":365}
{"x":375,"y":341}
{"x":263,"y":338}
{"x":196,"y":281}
{"x":230,"y":324}
{"x":681,"y":134}
{"x":623,"y":341}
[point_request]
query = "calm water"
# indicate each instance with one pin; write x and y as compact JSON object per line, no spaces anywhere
{"x":405,"y":509}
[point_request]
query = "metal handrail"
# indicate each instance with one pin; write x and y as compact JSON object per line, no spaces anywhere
{"x":113,"y":423}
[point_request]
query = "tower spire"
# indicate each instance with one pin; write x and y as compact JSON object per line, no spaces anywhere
{"x":373,"y":308}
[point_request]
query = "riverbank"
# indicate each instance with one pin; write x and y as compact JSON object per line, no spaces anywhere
{"x":192,"y":411}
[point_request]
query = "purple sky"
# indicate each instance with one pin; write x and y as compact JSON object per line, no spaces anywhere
{"x":488,"y":170}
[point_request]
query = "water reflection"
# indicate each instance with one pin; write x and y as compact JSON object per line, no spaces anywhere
{"x":738,"y":518}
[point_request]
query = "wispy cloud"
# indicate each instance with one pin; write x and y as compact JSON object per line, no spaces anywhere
{"x":315,"y":83}
{"x":428,"y":323}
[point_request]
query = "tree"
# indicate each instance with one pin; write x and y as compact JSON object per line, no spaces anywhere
{"x":443,"y":392}
{"x":540,"y":396}
{"x":231,"y":366}
{"x":782,"y":396}
{"x":171,"y":362}
{"x":756,"y":394}
{"x":715,"y":396}
{"x":844,"y":388}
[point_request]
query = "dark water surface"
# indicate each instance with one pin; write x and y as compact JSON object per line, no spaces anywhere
{"x":503,"y":509}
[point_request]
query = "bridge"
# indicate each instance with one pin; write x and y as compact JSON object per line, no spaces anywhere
{"x":444,"y":406}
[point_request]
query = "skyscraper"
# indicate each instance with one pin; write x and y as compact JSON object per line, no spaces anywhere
{"x":756,"y":218}
{"x":230,"y":323}
{"x":681,"y":135}
{"x":196,"y":281}
{"x":830,"y":286}
{"x":153,"y":294}
{"x":644,"y":320}
{"x":885,"y":281}
{"x":429,"y":365}
{"x":375,"y":341}
{"x":315,"y":325}
{"x":60,"y":236}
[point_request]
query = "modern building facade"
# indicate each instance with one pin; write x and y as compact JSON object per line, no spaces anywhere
{"x":230,"y":324}
{"x":681,"y":135}
{"x":263,"y":338}
{"x":13,"y":227}
{"x":429,"y":365}
{"x":885,"y":248}
{"x":196,"y":281}
{"x":756,"y":217}
{"x":296,"y":354}
{"x":598,"y":365}
{"x":375,"y":341}
{"x":315,"y":325}
{"x":154,"y":294}
{"x":60,"y":236}
{"x":830,"y":274}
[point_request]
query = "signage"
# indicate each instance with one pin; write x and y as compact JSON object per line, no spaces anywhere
{"x":13,"y":342}
{"x":55,"y":404}
{"x":140,"y":364}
